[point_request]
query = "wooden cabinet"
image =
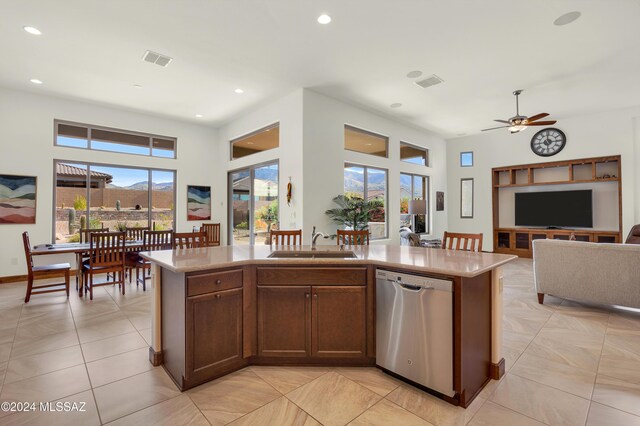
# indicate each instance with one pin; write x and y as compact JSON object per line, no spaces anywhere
{"x":284,"y":321}
{"x":213,"y":333}
{"x":327,"y":318}
{"x":338,"y":322}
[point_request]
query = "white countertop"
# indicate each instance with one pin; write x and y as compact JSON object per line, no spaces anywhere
{"x":418,"y":259}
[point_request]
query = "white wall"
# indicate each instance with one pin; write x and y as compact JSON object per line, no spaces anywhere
{"x":609,"y":133}
{"x":324,"y":158}
{"x":26,"y":121}
{"x":288,"y":112}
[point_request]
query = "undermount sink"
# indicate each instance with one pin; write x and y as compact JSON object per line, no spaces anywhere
{"x":313,"y":255}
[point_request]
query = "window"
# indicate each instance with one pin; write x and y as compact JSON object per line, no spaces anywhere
{"x":466,"y":159}
{"x":104,"y":196}
{"x":414,"y":154}
{"x":253,"y":204}
{"x":414,"y":202}
{"x":365,"y":142}
{"x":369,"y":184}
{"x":261,"y":140}
{"x":83,"y":136}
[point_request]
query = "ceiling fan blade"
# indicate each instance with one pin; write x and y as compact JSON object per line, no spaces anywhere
{"x":503,"y":121}
{"x":537,"y":117}
{"x":493,"y":128}
{"x":541,"y":123}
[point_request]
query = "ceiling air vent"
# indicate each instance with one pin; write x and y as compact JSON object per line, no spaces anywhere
{"x":432,"y":80}
{"x":156,"y":58}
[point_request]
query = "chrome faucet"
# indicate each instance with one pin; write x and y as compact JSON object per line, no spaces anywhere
{"x":314,"y":237}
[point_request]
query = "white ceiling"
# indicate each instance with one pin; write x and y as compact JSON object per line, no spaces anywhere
{"x":92,"y":49}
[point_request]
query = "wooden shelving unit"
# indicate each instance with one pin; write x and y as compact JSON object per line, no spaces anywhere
{"x":518,"y":241}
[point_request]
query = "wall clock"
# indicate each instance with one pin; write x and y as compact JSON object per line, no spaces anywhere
{"x":548,"y":142}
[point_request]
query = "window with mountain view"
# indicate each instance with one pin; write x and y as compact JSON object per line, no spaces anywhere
{"x":89,"y":196}
{"x":98,"y":138}
{"x":414,"y":187}
{"x":369,"y":184}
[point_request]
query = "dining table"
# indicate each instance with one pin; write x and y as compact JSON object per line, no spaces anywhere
{"x":80,"y":250}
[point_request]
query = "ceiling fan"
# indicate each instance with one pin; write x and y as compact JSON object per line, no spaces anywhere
{"x":518,"y":122}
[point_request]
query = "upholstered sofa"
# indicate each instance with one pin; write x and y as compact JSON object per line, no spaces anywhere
{"x":600,"y":273}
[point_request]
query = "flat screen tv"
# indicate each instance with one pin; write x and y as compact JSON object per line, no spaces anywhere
{"x":555,"y":209}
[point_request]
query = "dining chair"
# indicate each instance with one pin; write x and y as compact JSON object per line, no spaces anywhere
{"x":352,"y":238}
{"x":286,"y":238}
{"x":135,"y":232}
{"x":152,"y":241}
{"x":187,"y":240}
{"x":41,"y":272}
{"x":460,"y":241}
{"x":212,"y":232}
{"x":106,"y":256}
{"x":85,"y":234}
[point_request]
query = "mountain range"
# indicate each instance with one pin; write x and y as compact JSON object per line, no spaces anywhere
{"x":143,"y":186}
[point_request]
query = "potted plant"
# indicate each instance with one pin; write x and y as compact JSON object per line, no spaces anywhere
{"x":352,"y":212}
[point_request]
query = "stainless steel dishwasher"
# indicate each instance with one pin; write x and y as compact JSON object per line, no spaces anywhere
{"x":414,"y":328}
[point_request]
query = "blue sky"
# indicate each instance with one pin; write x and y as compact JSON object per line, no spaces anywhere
{"x":127,"y":177}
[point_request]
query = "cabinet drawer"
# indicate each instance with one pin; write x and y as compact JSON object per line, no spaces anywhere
{"x":312,"y":276}
{"x":216,"y":281}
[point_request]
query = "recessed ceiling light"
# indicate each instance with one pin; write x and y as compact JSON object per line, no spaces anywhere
{"x":35,"y":81}
{"x":395,"y":105}
{"x":239,"y":91}
{"x":137,"y":86}
{"x":324,"y":19}
{"x":567,"y":18}
{"x":368,"y":144}
{"x":249,"y":143}
{"x":199,"y":115}
{"x":32,"y":30}
{"x":414,"y":74}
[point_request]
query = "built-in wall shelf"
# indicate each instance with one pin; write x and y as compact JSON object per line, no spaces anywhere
{"x":585,"y":171}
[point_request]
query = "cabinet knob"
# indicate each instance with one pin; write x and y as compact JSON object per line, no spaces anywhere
{"x":218,"y":296}
{"x":218,"y":282}
{"x":306,"y":295}
{"x":315,"y":296}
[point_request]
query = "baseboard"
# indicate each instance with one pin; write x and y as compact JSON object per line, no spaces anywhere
{"x":155,"y":358}
{"x":497,"y":370}
{"x":17,"y":278}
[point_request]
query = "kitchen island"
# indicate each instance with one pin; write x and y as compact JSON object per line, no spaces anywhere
{"x":219,"y":309}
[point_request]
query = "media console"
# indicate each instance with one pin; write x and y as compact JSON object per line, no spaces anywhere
{"x":586,"y":172}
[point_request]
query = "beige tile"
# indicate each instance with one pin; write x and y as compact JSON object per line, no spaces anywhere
{"x":541,"y":402}
{"x":112,"y":346}
{"x":10,"y":315}
{"x":516,"y":341}
{"x":555,"y":374}
{"x":141,"y":321}
{"x":332,"y":399}
{"x":387,"y":413}
{"x":48,"y":343}
{"x":277,"y":413}
{"x":601,"y":415}
{"x":83,"y":401}
{"x":232,"y":396}
{"x":618,"y":394}
{"x":586,"y":322}
{"x":617,"y":361}
{"x":146,"y":335}
{"x":573,"y":348}
{"x":286,"y":379}
{"x":104,"y":329}
{"x":524,"y":321}
{"x":432,"y":409}
{"x":491,"y":414}
{"x":40,"y":328}
{"x":46,"y":362}
{"x":490,"y":388}
{"x":5,"y":351}
{"x":628,"y":342}
{"x":107,"y":370}
{"x":48,"y":387}
{"x":132,"y":394}
{"x":7,"y":333}
{"x":176,"y":411}
{"x":371,"y":378}
{"x":621,"y":322}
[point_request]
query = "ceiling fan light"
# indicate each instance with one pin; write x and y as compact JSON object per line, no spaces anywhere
{"x":517,"y":129}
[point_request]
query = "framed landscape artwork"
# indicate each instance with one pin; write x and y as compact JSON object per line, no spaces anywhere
{"x":198,"y":202}
{"x":17,"y":199}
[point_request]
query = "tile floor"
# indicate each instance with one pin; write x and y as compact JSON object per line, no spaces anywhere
{"x":567,"y":363}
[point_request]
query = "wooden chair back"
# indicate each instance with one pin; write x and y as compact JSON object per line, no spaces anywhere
{"x":27,"y":252}
{"x":212,"y":234}
{"x":85,"y":234}
{"x":157,"y":240}
{"x":286,"y":238}
{"x":458,"y":241}
{"x":135,"y":233}
{"x":352,"y":238}
{"x":107,"y":249}
{"x":187,"y":240}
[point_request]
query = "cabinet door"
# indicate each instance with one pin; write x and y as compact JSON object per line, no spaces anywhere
{"x":214,"y":332}
{"x":284,"y":321}
{"x":339,"y":321}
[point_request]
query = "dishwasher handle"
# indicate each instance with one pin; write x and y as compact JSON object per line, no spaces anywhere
{"x":412,"y":287}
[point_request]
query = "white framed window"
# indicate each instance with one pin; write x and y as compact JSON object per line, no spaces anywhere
{"x":414,"y":154}
{"x":370,"y":184}
{"x":466,"y":159}
{"x":261,"y":140}
{"x":414,"y":202}
{"x":365,"y":142}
